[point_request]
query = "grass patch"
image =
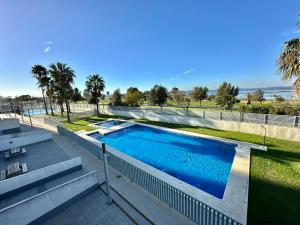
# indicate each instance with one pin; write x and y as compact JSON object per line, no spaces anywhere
{"x":274,"y":189}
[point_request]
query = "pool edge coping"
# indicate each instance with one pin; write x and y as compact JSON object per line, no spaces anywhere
{"x":235,"y":200}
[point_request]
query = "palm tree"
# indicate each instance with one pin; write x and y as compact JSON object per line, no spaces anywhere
{"x":63,"y":78}
{"x":95,"y":85}
{"x":289,"y":62}
{"x":40,"y":74}
{"x":50,"y":93}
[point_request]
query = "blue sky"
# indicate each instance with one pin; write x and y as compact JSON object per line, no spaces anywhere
{"x":140,"y":43}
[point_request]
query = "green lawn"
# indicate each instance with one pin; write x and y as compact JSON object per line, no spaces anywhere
{"x":274,"y":191}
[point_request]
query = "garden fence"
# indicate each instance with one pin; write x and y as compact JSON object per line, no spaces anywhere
{"x":82,"y":109}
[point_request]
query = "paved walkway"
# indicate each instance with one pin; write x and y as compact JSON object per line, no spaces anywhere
{"x":91,"y":210}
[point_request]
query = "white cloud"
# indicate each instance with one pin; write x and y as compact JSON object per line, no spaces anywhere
{"x":47,"y":49}
{"x":49,"y":42}
{"x":188,"y":71}
{"x":177,"y":76}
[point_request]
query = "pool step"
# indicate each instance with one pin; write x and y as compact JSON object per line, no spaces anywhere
{"x":128,"y":208}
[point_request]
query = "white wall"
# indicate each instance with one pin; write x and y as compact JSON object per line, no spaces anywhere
{"x":282,"y":132}
{"x":36,"y":175}
{"x":7,"y":124}
{"x":23,"y":140}
{"x":34,"y":207}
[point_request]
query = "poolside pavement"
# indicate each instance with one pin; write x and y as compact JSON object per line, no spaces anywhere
{"x":93,"y":209}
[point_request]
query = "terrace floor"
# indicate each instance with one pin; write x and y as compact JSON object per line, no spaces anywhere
{"x":92,"y":209}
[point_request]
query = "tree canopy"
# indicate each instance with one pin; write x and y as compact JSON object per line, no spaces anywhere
{"x":158,"y":95}
{"x":116,"y":99}
{"x":95,"y":85}
{"x":76,"y":95}
{"x":226,"y":95}
{"x":289,"y":61}
{"x":199,"y":93}
{"x":133,"y":97}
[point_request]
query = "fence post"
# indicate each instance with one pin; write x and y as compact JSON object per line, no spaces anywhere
{"x":22,"y":114}
{"x":220,"y":116}
{"x":266,"y":119}
{"x":109,"y":200}
{"x":29,"y":118}
{"x":203,"y":114}
{"x":241,"y":116}
{"x":296,"y":121}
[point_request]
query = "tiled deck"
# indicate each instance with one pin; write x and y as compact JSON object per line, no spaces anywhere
{"x":91,"y":210}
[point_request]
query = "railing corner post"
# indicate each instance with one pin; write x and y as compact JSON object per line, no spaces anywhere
{"x":109,"y":199}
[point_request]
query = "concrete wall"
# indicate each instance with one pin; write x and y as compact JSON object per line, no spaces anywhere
{"x":287,"y":133}
{"x":90,"y":146}
{"x":27,"y":180}
{"x":23,"y":140}
{"x":31,"y":210}
{"x":8,"y":126}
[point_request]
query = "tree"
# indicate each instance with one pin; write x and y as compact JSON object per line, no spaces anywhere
{"x":289,"y":61}
{"x":226,"y":95}
{"x":95,"y":85}
{"x":107,"y":94}
{"x":50,"y":93}
{"x":76,"y":95}
{"x":199,"y":94}
{"x":175,"y":95}
{"x":116,"y":99}
{"x":22,"y":98}
{"x":86,"y":95}
{"x":258,"y":96}
{"x":63,"y":79}
{"x":40,"y":74}
{"x":133,"y":97}
{"x":174,"y":92}
{"x":158,"y":95}
{"x":146,"y":96}
{"x":279,"y":98}
{"x":249,"y":98}
{"x":184,"y":100}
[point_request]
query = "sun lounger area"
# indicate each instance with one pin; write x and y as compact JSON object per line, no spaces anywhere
{"x":37,"y":167}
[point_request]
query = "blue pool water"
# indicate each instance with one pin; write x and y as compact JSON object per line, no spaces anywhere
{"x":110,"y":123}
{"x":34,"y":112}
{"x":201,"y":162}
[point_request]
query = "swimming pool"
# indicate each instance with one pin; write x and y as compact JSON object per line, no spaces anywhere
{"x":201,"y":162}
{"x":34,"y":112}
{"x":109,"y":123}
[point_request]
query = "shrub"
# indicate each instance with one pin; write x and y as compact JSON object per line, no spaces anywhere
{"x":278,"y":109}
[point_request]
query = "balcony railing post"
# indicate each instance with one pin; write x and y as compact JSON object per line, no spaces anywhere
{"x":109,"y":200}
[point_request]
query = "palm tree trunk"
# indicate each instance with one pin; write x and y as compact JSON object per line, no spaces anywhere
{"x":61,"y":110}
{"x":51,"y":107}
{"x":44,"y":101}
{"x":97,"y":106}
{"x":50,"y":101}
{"x":68,"y":111}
